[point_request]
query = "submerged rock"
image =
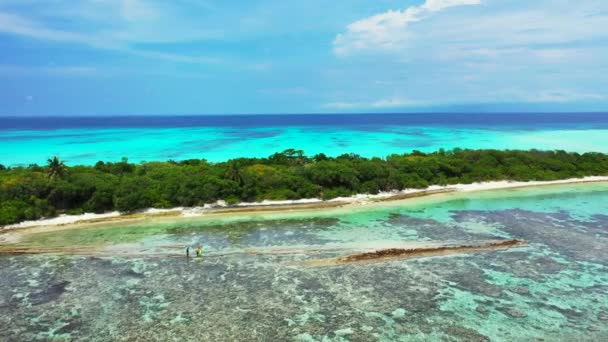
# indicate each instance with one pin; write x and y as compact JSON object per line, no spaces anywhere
{"x":460,"y":333}
{"x":53,"y":292}
{"x":425,"y":251}
{"x":521,"y":290}
{"x":481,"y":310}
{"x":515,"y":313}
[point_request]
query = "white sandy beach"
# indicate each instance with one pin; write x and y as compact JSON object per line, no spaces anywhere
{"x":360,"y":199}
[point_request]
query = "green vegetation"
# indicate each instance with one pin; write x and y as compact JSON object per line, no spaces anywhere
{"x":56,"y":167}
{"x":33,"y":192}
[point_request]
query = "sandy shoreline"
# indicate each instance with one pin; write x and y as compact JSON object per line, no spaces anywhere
{"x":220,"y":207}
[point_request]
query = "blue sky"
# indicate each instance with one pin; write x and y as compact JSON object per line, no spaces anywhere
{"x":123,"y":57}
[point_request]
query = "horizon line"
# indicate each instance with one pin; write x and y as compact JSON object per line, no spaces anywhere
{"x":300,"y":114}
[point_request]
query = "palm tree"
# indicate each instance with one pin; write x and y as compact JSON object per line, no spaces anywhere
{"x":233,"y":171}
{"x":56,"y":167}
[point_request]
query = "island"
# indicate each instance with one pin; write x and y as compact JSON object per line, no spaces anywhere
{"x":288,"y":177}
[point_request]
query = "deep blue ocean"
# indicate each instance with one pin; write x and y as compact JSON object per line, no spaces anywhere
{"x":471,"y":120}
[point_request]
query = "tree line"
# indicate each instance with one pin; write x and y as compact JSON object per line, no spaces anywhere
{"x":35,"y":191}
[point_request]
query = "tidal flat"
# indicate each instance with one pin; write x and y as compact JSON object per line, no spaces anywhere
{"x":132,"y":280}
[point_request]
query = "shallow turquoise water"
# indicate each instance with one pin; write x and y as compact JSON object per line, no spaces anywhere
{"x":249,"y":286}
{"x":87,"y":145}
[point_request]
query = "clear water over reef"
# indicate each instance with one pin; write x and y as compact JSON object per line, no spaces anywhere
{"x":250,"y":286}
{"x":87,"y":140}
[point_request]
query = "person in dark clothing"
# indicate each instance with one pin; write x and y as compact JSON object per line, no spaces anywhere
{"x":188,"y":252}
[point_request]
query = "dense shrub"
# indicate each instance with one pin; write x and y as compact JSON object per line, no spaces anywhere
{"x":36,"y":191}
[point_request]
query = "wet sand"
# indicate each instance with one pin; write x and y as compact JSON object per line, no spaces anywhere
{"x":15,"y":233}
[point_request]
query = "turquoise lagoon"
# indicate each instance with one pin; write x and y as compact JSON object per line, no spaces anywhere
{"x":249,"y":285}
{"x":87,"y":140}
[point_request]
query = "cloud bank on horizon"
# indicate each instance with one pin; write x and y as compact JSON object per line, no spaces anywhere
{"x":95,"y":57}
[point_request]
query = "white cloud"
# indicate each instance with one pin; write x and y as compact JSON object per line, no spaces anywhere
{"x":563,"y":96}
{"x":433,"y":30}
{"x":438,"y":5}
{"x":120,"y":25}
{"x":82,"y":71}
{"x":389,"y":102}
{"x":15,"y":24}
{"x":136,"y":10}
{"x":105,"y":22}
{"x":445,"y":52}
{"x":393,"y":102}
{"x":343,"y":105}
{"x":17,"y":70}
{"x":387,"y":30}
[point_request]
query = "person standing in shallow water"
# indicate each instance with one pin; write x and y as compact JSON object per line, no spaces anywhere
{"x":187,"y":251}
